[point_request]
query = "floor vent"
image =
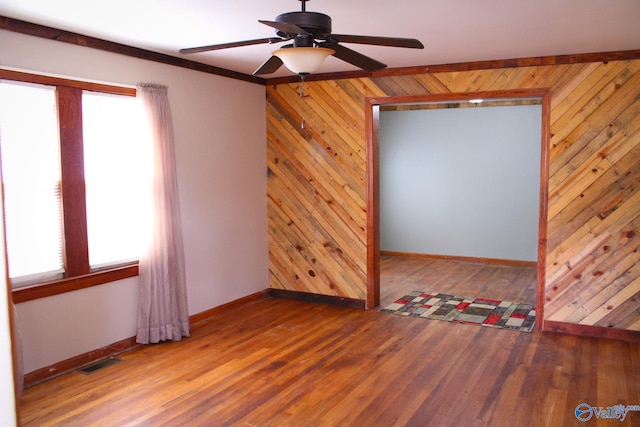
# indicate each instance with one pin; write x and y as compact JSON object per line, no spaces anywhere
{"x":99,"y":365}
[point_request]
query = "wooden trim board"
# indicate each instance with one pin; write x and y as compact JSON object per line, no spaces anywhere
{"x":28,"y":28}
{"x":230,"y":306}
{"x":316,"y":298}
{"x":36,"y":30}
{"x":73,"y":363}
{"x":372,"y":108}
{"x":492,"y":261}
{"x":591,"y":331}
{"x":62,"y":367}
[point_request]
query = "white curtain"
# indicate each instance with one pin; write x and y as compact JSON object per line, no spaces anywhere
{"x":162,"y":306}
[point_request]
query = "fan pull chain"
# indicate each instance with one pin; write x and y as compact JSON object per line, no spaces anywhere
{"x":302,"y":95}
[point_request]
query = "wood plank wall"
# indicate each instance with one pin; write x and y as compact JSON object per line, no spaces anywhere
{"x":317,"y":183}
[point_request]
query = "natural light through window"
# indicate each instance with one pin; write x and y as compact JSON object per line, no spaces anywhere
{"x":117,"y":174}
{"x":31,"y":181}
{"x":76,"y":179}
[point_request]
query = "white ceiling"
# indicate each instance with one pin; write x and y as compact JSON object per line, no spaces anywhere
{"x":452,"y":30}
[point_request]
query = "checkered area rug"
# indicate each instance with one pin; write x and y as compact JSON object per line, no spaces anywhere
{"x":453,"y":308}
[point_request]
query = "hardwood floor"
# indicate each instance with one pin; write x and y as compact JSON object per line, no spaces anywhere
{"x":400,"y":274}
{"x":277,"y":362}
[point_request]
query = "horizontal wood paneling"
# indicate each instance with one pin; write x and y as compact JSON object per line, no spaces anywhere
{"x":317,"y":182}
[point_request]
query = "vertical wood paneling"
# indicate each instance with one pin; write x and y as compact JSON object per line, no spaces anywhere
{"x":318,"y":181}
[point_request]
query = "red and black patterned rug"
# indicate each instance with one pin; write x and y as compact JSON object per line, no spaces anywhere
{"x":454,"y":308}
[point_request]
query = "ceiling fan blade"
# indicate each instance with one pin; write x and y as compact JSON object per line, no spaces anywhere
{"x":284,"y":27}
{"x":354,"y":58}
{"x":232,"y":44}
{"x":378,"y":41}
{"x":271,"y":65}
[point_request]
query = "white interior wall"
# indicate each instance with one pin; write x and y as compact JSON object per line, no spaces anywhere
{"x":7,"y":401}
{"x":219,"y":128}
{"x":7,"y":397}
{"x":461,"y":181}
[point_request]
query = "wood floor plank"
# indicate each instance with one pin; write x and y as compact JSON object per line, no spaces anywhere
{"x":277,"y":362}
{"x":401,"y":274}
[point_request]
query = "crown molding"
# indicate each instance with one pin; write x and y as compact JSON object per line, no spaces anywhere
{"x":23,"y":27}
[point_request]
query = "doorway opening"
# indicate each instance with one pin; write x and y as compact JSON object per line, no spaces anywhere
{"x":536,"y":254}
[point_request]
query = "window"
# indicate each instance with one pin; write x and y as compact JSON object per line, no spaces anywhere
{"x":75,"y":173}
{"x":31,"y":181}
{"x":117,"y":172}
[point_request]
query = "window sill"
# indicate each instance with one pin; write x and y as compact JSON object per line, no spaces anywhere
{"x":42,"y":290}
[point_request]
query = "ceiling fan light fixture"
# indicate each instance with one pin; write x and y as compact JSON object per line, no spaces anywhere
{"x":303,"y":60}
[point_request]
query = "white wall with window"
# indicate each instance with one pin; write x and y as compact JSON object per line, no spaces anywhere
{"x":220,"y":148}
{"x":117,"y":173}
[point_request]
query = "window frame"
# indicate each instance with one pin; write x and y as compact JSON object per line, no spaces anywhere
{"x":78,"y":273}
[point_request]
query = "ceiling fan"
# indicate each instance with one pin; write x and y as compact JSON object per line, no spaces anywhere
{"x":312,"y":43}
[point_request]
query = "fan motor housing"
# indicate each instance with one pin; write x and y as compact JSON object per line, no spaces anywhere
{"x":315,"y":23}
